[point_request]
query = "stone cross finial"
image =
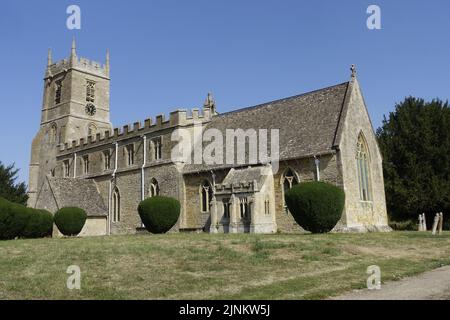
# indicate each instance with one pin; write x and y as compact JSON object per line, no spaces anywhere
{"x":353,"y":69}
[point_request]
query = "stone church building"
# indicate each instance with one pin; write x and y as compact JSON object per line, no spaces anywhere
{"x":79,"y":159}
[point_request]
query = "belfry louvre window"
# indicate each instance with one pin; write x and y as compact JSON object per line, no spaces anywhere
{"x":86,"y":164}
{"x":90,"y":91}
{"x":130,"y":154}
{"x":362,"y":161}
{"x":58,"y":89}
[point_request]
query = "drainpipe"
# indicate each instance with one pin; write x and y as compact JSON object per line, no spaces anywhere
{"x":144,"y":161}
{"x":116,"y":145}
{"x":144,"y":138}
{"x":317,"y":162}
{"x":75,"y":165}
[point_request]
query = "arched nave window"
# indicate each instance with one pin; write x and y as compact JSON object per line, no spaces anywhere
{"x":116,"y":205}
{"x":154,"y":188}
{"x":363,"y":161}
{"x":205,"y":195}
{"x":289,"y":180}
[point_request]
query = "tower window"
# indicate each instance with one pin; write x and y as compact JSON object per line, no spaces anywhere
{"x":90,"y":91}
{"x":130,"y":154}
{"x":66,"y":168}
{"x":156,"y":144}
{"x":92,"y":129}
{"x":58,"y":91}
{"x":53,"y":133}
{"x":86,"y":164}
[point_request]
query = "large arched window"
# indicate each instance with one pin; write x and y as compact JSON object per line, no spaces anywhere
{"x":154,"y":188}
{"x":205,"y":195}
{"x":115,"y":205}
{"x":362,"y":160}
{"x":289,"y":180}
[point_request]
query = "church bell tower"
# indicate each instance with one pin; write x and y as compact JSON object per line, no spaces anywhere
{"x":75,"y":105}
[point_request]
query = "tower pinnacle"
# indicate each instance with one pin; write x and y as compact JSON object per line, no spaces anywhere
{"x":210,"y":103}
{"x":107,"y":62}
{"x":73,"y":51}
{"x":49,"y":57}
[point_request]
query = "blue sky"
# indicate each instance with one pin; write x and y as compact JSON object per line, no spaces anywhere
{"x":169,"y":54}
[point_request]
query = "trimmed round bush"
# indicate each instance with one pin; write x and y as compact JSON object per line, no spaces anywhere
{"x":39,"y":224}
{"x":70,"y":220}
{"x":316,"y":206}
{"x":13,"y":219}
{"x":159,"y":214}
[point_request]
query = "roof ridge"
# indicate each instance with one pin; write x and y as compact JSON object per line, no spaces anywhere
{"x":282,"y":99}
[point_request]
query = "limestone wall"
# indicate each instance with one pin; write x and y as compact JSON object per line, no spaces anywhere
{"x":360,"y":215}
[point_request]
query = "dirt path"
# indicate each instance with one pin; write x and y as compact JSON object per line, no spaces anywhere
{"x":431,"y":285}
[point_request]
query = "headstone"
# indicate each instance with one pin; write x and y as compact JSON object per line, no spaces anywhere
{"x":435,"y":223}
{"x":420,"y":223}
{"x":424,"y":219}
{"x":441,"y":222}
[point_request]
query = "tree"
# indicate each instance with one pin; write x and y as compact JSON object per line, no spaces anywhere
{"x":9,"y":189}
{"x":415,"y":144}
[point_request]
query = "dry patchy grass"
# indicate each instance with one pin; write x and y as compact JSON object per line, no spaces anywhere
{"x":203,"y":266}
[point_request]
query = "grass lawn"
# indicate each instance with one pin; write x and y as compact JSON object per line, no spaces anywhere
{"x":203,"y":266}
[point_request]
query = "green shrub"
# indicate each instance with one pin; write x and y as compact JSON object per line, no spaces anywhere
{"x":13,"y":219}
{"x":316,"y":206}
{"x":39,"y":224}
{"x":159,"y":214}
{"x":70,"y":220}
{"x":407,"y":225}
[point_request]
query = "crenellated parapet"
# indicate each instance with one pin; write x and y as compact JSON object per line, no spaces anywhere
{"x":236,"y":187}
{"x":78,"y":63}
{"x":177,"y":119}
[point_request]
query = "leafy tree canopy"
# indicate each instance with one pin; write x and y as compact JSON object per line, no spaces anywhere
{"x":415,"y":143}
{"x":9,"y":189}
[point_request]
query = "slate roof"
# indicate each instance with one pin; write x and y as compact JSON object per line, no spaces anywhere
{"x":307,"y":123}
{"x":81,"y":193}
